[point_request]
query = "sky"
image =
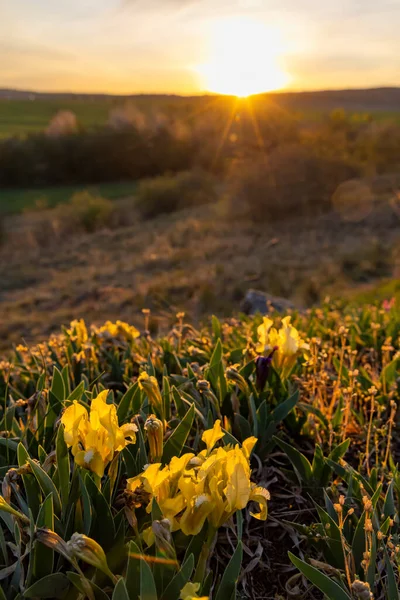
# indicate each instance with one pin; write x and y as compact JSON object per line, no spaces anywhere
{"x":192,"y":46}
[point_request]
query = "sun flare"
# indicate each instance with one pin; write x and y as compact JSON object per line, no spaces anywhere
{"x":245,"y":58}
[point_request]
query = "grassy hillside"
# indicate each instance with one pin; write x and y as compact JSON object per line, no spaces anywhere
{"x":200,"y":260}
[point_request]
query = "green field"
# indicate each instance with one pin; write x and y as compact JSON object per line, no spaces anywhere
{"x":19,"y":200}
{"x":20,"y":117}
{"x":23,"y":116}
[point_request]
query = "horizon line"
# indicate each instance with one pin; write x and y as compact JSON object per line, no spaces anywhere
{"x":200,"y":94}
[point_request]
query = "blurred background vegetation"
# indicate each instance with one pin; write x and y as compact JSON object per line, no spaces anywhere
{"x":111,"y":204}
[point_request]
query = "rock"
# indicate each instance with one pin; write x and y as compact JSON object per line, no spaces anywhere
{"x":260,"y":302}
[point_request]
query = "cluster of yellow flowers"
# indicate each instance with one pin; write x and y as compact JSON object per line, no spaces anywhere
{"x":95,"y":438}
{"x":79,"y":332}
{"x":119,"y":329}
{"x":211,"y":485}
{"x":285,"y":344}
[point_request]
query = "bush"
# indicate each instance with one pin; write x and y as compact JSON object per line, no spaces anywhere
{"x":91,"y":211}
{"x":166,"y":194}
{"x":291,"y":179}
{"x":85,"y":211}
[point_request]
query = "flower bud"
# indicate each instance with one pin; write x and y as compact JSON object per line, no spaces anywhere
{"x":263,"y":365}
{"x":155,"y":436}
{"x":361,"y":590}
{"x":233,"y":375}
{"x":89,"y":551}
{"x":5,"y":507}
{"x":368,"y":525}
{"x":203,"y":385}
{"x":149,"y":385}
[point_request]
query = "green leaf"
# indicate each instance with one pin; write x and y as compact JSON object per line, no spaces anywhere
{"x":239,"y":524}
{"x":392,"y":590}
{"x":63,"y":468}
{"x":87,"y":588}
{"x":129,"y":403}
{"x":215,"y":372}
{"x":87,"y":507}
{"x":41,"y":382}
{"x":358,"y":542}
{"x":231,"y":574}
{"x":333,"y":537}
{"x":324,"y":583}
{"x":216,"y":328}
{"x":57,"y":385}
{"x":340,"y":450}
{"x":177,"y":439}
{"x":166,"y":396}
{"x":46,"y":485}
{"x":133,"y":571}
{"x":389,"y":374}
{"x":120,"y":591}
{"x":44,"y":556}
{"x":321,"y":471}
{"x":77,"y":393}
{"x":54,"y":585}
{"x":372,"y":564}
{"x":65,"y":376}
{"x":300,"y":463}
{"x":389,"y":508}
{"x":180,"y":579}
{"x":10,"y":444}
{"x":244,"y":426}
{"x":282,"y":410}
{"x":195,"y":544}
{"x":308,"y":408}
{"x":141,"y":459}
{"x":179,"y":404}
{"x":253,"y":413}
{"x":130,"y":463}
{"x":32,"y":489}
{"x":102,"y":530}
{"x":147,"y":585}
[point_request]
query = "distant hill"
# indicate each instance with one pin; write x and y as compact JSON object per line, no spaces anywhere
{"x":374,"y":99}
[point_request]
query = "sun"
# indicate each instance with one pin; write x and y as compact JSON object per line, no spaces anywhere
{"x":244,"y":58}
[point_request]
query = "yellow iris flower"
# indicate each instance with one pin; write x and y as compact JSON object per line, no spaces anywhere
{"x":78,"y":331}
{"x":95,"y":438}
{"x":211,"y":486}
{"x":285,"y":342}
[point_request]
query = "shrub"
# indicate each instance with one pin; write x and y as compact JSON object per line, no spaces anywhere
{"x":166,"y":194}
{"x":290,"y":179}
{"x":90,"y":210}
{"x":85,"y":211}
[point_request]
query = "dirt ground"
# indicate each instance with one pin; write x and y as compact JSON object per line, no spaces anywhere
{"x":202,"y":261}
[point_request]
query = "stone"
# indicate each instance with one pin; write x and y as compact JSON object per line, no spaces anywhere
{"x":256,"y":301}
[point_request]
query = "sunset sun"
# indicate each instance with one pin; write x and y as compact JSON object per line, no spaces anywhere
{"x":244,"y":58}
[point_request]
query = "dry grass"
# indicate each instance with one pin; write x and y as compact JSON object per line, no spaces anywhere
{"x":198,"y":260}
